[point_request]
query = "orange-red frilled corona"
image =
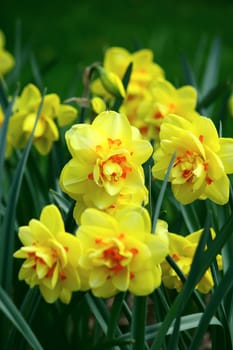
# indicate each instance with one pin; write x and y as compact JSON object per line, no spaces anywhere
{"x":202,"y":161}
{"x":106,"y":164}
{"x":50,"y":256}
{"x":119,"y":251}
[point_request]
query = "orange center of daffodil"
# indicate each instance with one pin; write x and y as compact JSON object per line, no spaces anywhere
{"x":190,"y":166}
{"x":47,"y":263}
{"x":112,"y":168}
{"x":115,"y":257}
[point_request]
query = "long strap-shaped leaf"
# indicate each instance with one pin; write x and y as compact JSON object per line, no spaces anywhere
{"x":195,"y":275}
{"x":221,"y":291}
{"x":13,"y":314}
{"x":7,"y":230}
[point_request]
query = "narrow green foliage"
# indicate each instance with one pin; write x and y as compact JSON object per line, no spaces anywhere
{"x":13,"y":314}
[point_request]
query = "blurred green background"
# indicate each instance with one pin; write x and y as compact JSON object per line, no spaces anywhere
{"x":65,"y":36}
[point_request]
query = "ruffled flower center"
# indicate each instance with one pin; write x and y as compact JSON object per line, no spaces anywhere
{"x":190,"y":167}
{"x":112,"y":254}
{"x":113,"y":167}
{"x":48,"y":262}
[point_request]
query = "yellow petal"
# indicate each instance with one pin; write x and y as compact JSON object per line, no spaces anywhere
{"x":113,"y":125}
{"x":66,"y":114}
{"x":226,"y":154}
{"x":52,"y":219}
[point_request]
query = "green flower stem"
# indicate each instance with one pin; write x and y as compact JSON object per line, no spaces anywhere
{"x":115,"y":314}
{"x":176,"y":268}
{"x":139,"y":323}
{"x":162,"y":193}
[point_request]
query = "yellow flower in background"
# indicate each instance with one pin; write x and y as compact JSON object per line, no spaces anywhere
{"x":202,"y":161}
{"x":24,"y":116}
{"x":182,"y":250}
{"x":117,"y":59}
{"x":7,"y":61}
{"x":106,"y":160}
{"x":230,"y":105}
{"x":51,"y":256}
{"x":163,"y":99}
{"x":111,"y":82}
{"x":120,"y":253}
{"x":144,"y":72}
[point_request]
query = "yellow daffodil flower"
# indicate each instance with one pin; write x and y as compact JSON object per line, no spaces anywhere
{"x":120,"y":253}
{"x":144,"y":70}
{"x":24,"y":116}
{"x":106,"y":160}
{"x":51,"y":256}
{"x":163,"y":99}
{"x":202,"y":161}
{"x":182,"y":250}
{"x":7,"y":61}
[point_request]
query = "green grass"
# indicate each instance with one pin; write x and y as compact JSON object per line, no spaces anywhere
{"x":67,"y":36}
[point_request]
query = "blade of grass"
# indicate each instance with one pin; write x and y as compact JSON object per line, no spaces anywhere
{"x":8,"y":225}
{"x":13,"y":314}
{"x":224,"y":287}
{"x":7,"y":108}
{"x":162,"y":193}
{"x":125,"y":82}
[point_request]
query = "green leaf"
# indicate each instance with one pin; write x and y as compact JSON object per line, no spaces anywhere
{"x":201,"y":262}
{"x":186,"y":323}
{"x":224,"y":287}
{"x":8,"y":224}
{"x":162,"y":193}
{"x":125,"y":82}
{"x":13,"y":314}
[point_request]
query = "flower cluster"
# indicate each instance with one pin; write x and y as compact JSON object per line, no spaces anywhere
{"x":23,"y":118}
{"x":108,"y":254}
{"x":114,"y":248}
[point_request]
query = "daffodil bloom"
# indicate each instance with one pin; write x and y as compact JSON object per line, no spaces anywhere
{"x":203,"y":159}
{"x":51,"y":256}
{"x":106,"y":160}
{"x":182,"y":250}
{"x":120,"y":253}
{"x":7,"y":61}
{"x":144,"y":70}
{"x":162,"y":99}
{"x":24,"y":116}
